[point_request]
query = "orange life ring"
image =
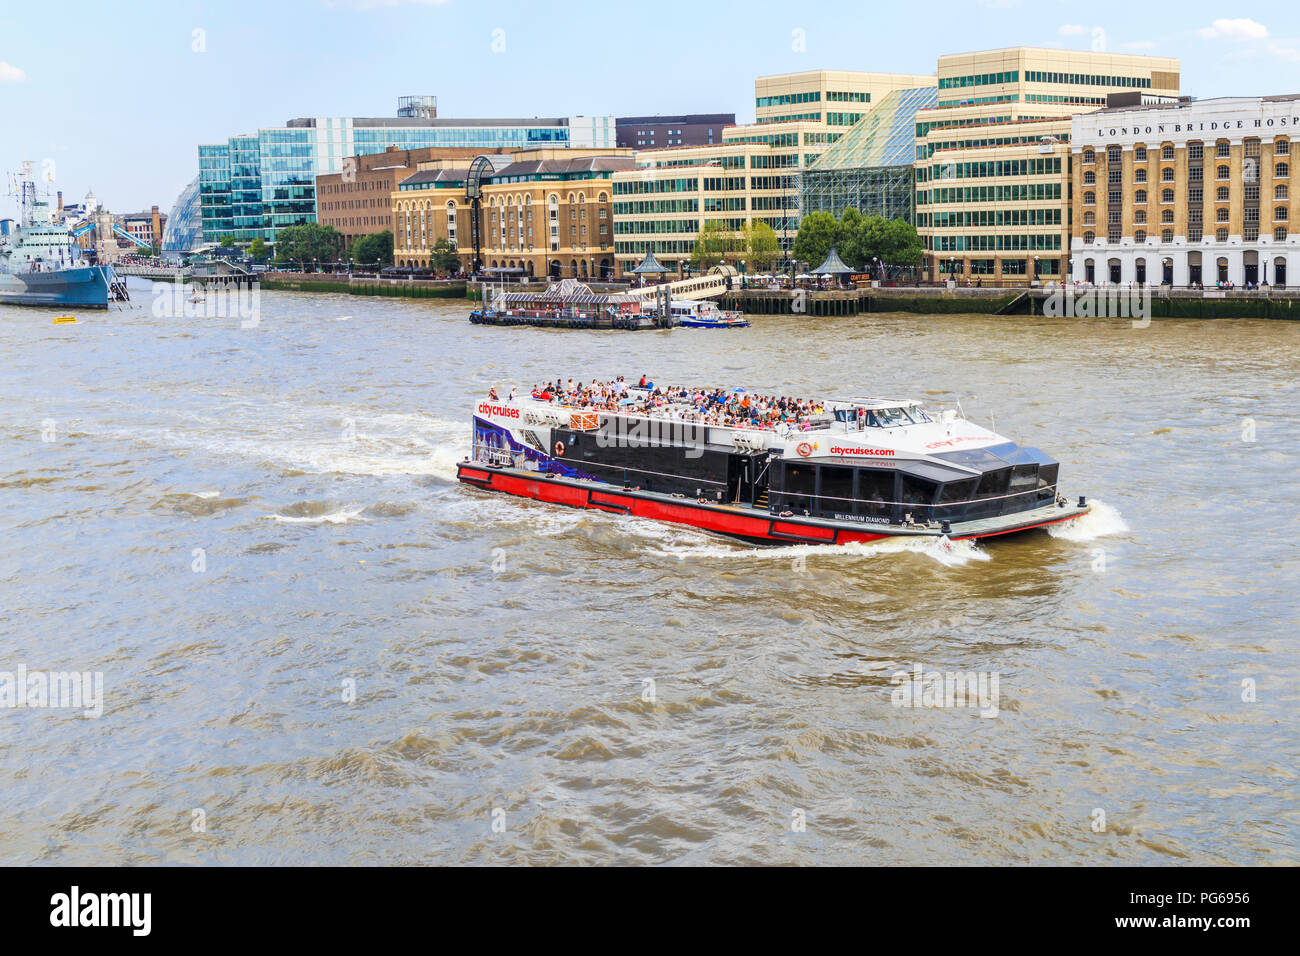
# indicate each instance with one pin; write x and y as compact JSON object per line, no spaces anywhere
{"x":559,"y":449}
{"x":804,"y":449}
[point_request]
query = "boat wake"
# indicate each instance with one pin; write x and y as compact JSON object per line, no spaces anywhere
{"x":1102,"y":520}
{"x":393,"y":444}
{"x":951,"y":554}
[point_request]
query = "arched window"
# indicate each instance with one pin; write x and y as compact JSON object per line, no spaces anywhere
{"x":1222,"y":149}
{"x":1140,"y":196}
{"x":1113,"y":154}
{"x":1221,"y":235}
{"x":1223,"y":172}
{"x":1140,"y":236}
{"x":1140,"y":176}
{"x":602,"y":198}
{"x":1167,"y":235}
{"x":1140,"y":154}
{"x":1281,"y":171}
{"x":1089,"y":236}
{"x":1140,"y":215}
{"x":1089,"y":156}
{"x":1167,"y":151}
{"x":1167,"y":216}
{"x":1221,"y":194}
{"x":1221,"y":215}
{"x":1279,"y":214}
{"x":1090,"y":218}
{"x":1167,"y":174}
{"x":1279,"y":234}
{"x":1166,"y":195}
{"x":1280,"y":191}
{"x":1089,"y":178}
{"x":1282,"y":147}
{"x":1090,"y":198}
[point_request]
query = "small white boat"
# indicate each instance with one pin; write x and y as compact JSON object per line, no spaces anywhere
{"x":702,"y":314}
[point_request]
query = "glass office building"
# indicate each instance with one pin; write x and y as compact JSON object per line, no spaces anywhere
{"x":184,"y":229}
{"x":252,"y":186}
{"x":870,"y":167}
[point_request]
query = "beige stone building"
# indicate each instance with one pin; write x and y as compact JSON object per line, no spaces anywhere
{"x":543,"y":213}
{"x":1187,"y":192}
{"x":993,"y":156}
{"x":358,"y":201}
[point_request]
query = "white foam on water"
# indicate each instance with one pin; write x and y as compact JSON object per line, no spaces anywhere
{"x":336,"y":517}
{"x":948,"y":553}
{"x":386,"y":444}
{"x":1103,"y":519}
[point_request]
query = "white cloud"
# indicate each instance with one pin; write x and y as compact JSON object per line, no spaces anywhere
{"x":1072,"y":29}
{"x":11,"y":74}
{"x":1239,"y":29}
{"x":1285,"y":50}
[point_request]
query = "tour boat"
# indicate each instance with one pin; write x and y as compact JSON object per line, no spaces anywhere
{"x":844,"y":471}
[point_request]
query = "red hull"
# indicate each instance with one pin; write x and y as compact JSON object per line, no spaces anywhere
{"x":755,"y":527}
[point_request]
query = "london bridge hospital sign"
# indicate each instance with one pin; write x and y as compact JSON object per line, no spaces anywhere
{"x":1260,"y":120}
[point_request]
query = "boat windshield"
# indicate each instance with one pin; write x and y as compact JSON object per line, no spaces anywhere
{"x":892,"y":417}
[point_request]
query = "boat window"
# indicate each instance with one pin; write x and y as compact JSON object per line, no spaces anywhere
{"x":892,"y":417}
{"x":994,"y":483}
{"x":875,"y":491}
{"x":957,"y":490}
{"x":837,"y":488}
{"x":916,"y":490}
{"x":1024,"y":478}
{"x":797,"y":487}
{"x":917,"y":415}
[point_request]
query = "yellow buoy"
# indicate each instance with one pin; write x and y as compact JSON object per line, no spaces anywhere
{"x":65,"y":320}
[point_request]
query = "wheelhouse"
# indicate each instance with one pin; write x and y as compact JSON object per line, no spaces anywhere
{"x":960,"y":486}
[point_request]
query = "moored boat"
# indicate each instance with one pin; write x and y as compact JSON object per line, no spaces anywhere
{"x":703,"y":314}
{"x":765,"y":470}
{"x":41,"y":263}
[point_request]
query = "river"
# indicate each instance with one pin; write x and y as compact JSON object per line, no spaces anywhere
{"x":317,"y":647}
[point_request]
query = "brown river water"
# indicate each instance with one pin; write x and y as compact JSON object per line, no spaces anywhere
{"x":317,"y":647}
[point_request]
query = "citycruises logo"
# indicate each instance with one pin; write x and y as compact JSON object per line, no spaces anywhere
{"x":863,"y":452}
{"x":501,"y":411}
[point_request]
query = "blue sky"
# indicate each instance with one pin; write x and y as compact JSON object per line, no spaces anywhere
{"x":118,"y":95}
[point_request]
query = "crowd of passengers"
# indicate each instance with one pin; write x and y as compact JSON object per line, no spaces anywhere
{"x":706,"y":406}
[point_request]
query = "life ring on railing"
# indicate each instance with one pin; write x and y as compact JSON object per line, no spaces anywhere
{"x":804,"y":449}
{"x":559,"y":449}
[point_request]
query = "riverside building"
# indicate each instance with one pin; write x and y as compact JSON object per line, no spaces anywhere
{"x":1187,"y":193}
{"x":543,"y":213}
{"x":993,"y":156}
{"x":359,"y":202}
{"x":252,"y":185}
{"x":756,"y":172}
